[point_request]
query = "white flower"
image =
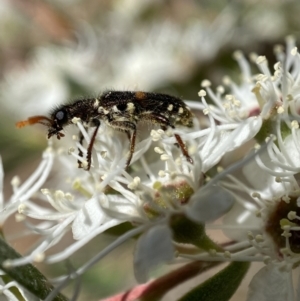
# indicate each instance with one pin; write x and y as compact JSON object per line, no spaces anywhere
{"x":265,"y":218}
{"x":23,"y":192}
{"x":270,"y":283}
{"x":161,"y":189}
{"x":161,"y":185}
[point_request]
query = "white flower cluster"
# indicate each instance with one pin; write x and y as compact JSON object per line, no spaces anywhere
{"x":256,"y":198}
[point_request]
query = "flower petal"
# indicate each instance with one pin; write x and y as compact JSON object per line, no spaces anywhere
{"x":263,"y":181}
{"x":269,"y":283}
{"x":153,"y":247}
{"x":292,"y":148}
{"x":209,"y":203}
{"x":240,"y":220}
{"x":229,"y":141}
{"x":88,"y":218}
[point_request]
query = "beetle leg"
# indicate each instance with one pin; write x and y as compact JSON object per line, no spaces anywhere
{"x":80,"y":154}
{"x":96,"y":123}
{"x":130,"y":129}
{"x":164,"y":124}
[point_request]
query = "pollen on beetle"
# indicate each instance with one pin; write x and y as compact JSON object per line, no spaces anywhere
{"x":96,"y":103}
{"x":170,"y":107}
{"x":130,"y":107}
{"x":75,"y":120}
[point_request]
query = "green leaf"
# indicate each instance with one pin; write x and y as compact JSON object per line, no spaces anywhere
{"x":221,"y":286}
{"x":26,"y":275}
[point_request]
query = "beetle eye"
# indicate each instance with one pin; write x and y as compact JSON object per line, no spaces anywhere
{"x":60,"y":115}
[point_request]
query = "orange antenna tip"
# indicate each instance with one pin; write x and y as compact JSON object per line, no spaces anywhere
{"x":34,"y":120}
{"x":22,"y":123}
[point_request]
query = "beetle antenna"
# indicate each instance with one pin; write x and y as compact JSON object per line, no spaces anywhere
{"x":34,"y":120}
